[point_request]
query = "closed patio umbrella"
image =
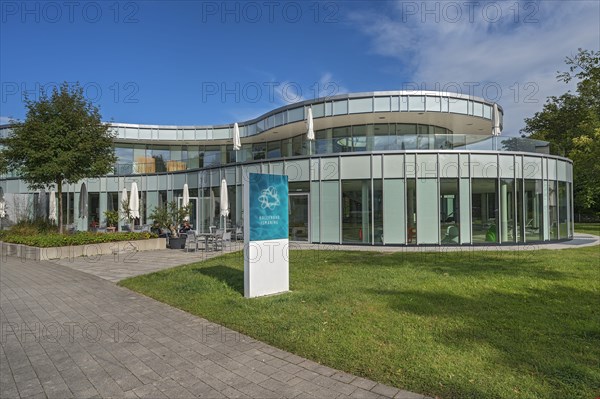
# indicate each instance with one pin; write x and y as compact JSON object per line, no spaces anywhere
{"x":134,"y":202}
{"x":496,"y":130}
{"x":237,"y":143}
{"x":83,"y":201}
{"x":186,"y":199}
{"x":2,"y":208}
{"x":52,"y":211}
{"x":224,"y":211}
{"x":310,"y":129}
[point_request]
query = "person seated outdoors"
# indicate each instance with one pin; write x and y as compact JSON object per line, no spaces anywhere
{"x":155,"y":229}
{"x":186,"y":227}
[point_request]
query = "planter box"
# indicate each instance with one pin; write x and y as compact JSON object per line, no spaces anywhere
{"x":177,"y":243}
{"x":89,"y":250}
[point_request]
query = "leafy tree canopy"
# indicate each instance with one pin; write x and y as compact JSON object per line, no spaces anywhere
{"x":62,"y":139}
{"x":572,"y":122}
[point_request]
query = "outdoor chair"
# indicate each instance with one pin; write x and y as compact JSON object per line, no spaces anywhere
{"x":451,"y":236}
{"x":239,"y":233}
{"x":222,"y":239}
{"x":191,"y":241}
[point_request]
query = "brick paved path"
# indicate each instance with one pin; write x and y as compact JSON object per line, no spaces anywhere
{"x":65,"y":333}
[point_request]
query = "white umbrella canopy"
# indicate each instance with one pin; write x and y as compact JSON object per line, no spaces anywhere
{"x":237,"y":143}
{"x":186,"y":198}
{"x":52,"y":211}
{"x":310,"y":128}
{"x":134,"y":202}
{"x":496,"y":128}
{"x":224,"y":211}
{"x":224,"y":199}
{"x":2,"y":209}
{"x":124,"y":199}
{"x":83,"y":201}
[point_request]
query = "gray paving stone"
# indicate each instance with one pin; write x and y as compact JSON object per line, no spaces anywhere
{"x":171,"y":355}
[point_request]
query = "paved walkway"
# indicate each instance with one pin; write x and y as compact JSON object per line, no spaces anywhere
{"x":129,"y":264}
{"x":65,"y":333}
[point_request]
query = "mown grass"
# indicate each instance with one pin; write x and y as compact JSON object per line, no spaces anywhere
{"x":457,"y":325}
{"x":589,"y":228}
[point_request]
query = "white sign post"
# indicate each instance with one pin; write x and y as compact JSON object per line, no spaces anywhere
{"x":266,"y":235}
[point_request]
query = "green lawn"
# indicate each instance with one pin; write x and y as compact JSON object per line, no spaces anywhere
{"x":589,"y":228}
{"x":476,"y":325}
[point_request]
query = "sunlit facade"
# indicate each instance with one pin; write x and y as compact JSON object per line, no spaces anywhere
{"x":386,"y":168}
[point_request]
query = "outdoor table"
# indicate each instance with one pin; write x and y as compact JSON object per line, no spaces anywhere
{"x":206,"y":237}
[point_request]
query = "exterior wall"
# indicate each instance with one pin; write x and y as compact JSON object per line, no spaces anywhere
{"x":376,"y":198}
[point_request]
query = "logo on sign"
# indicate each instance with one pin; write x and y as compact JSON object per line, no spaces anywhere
{"x":268,"y":198}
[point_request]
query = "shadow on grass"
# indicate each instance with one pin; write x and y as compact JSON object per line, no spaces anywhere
{"x":234,"y":278}
{"x":552,"y":333}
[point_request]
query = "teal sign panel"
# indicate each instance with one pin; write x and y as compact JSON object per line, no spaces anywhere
{"x":268,"y":207}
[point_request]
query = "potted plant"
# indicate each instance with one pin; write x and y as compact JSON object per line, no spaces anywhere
{"x":171,"y":216}
{"x":112,"y":219}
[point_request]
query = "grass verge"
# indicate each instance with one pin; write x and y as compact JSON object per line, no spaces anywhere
{"x":457,"y":325}
{"x":589,"y":228}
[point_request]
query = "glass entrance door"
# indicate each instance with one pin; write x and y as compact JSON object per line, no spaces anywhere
{"x":299,"y":217}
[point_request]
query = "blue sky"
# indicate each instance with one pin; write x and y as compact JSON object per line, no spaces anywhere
{"x":193,"y":62}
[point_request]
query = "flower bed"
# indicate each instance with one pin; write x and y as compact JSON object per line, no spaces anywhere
{"x":79,"y":238}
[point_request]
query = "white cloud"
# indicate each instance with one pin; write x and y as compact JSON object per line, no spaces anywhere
{"x":521,"y":52}
{"x":276,"y":94}
{"x":4,"y":120}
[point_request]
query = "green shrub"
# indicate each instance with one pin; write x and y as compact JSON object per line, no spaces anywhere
{"x":34,"y":226}
{"x":79,"y":238}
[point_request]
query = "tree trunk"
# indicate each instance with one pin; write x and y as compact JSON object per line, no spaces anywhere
{"x":60,"y":208}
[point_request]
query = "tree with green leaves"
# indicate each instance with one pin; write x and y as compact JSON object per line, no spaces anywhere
{"x":571,"y":122}
{"x":62,"y":140}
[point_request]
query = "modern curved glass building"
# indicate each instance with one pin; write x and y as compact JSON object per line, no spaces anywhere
{"x":386,"y":168}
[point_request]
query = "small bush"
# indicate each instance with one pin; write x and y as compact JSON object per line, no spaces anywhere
{"x":35,"y":226}
{"x":60,"y":240}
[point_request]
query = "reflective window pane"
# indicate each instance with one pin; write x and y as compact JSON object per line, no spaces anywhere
{"x":484,"y":205}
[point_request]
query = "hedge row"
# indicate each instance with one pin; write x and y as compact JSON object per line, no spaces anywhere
{"x":79,"y":238}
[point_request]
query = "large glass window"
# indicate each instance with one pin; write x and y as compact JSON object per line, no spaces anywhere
{"x":193,"y":160}
{"x":342,"y":140}
{"x":507,"y":210}
{"x":161,"y":155}
{"x":378,"y":211}
{"x":297,"y":146}
{"x":212,"y":155}
{"x":274,"y":149}
{"x":484,"y":193}
{"x":449,"y":211}
{"x":562,"y":210}
{"x":533,"y":210}
{"x":411,"y":211}
{"x":230,"y":154}
{"x":519,"y":225}
{"x":124,"y":154}
{"x":323,"y":141}
{"x":359,"y":138}
{"x":356,"y":211}
{"x":553,"y":209}
{"x":259,"y":151}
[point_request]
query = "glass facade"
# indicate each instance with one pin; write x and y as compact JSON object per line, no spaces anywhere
{"x":158,"y":158}
{"x":359,"y":182}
